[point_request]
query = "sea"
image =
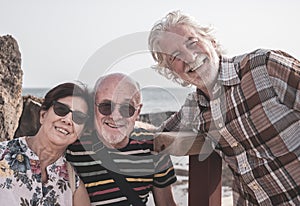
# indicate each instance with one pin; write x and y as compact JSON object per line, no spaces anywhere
{"x":155,"y":99}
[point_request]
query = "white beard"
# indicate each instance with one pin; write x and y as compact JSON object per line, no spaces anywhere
{"x":113,"y":139}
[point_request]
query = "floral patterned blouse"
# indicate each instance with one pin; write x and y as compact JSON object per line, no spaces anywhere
{"x":20,"y":178}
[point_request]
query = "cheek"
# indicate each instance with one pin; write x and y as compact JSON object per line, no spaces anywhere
{"x":178,"y":67}
{"x":43,"y":116}
{"x":132,"y":120}
{"x":175,"y":69}
{"x":97,"y":120}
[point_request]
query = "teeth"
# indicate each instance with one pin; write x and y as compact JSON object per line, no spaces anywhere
{"x":198,"y":63}
{"x":62,"y":131}
{"x":196,"y":67}
{"x":112,"y":125}
{"x":201,"y":58}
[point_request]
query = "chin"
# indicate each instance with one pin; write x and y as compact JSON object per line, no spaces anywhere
{"x":114,"y":139}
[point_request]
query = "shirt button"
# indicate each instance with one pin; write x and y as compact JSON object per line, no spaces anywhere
{"x":220,"y":124}
{"x":255,"y":187}
{"x":235,"y":144}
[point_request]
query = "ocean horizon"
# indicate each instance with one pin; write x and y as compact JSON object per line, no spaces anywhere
{"x":154,"y":99}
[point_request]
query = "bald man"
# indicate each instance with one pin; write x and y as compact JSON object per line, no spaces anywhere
{"x":116,"y":148}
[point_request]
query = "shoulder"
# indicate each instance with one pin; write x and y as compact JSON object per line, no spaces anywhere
{"x":84,"y":143}
{"x":261,"y":55}
{"x":285,"y":59}
{"x":3,"y":146}
{"x":140,"y":139}
{"x":17,"y":143}
{"x":266,"y":58}
{"x":244,"y":63}
{"x":141,"y":134}
{"x":254,"y":55}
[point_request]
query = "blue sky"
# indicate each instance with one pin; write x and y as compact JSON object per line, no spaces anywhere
{"x":58,"y":39}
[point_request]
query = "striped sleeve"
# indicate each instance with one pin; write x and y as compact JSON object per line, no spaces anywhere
{"x":165,"y":173}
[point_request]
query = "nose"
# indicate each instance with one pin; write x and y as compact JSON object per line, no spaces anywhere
{"x":116,"y":113}
{"x":189,"y":56}
{"x":67,"y":119}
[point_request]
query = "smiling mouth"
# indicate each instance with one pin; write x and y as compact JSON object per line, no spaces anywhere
{"x":114,"y":126}
{"x":61,"y":130}
{"x":199,"y":62}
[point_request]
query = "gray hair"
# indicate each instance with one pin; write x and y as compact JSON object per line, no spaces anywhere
{"x":171,"y":20}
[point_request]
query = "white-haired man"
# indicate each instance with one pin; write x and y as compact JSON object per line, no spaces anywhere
{"x":248,"y":106}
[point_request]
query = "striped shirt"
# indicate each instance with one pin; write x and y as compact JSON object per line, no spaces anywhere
{"x":254,"y":120}
{"x":136,"y":162}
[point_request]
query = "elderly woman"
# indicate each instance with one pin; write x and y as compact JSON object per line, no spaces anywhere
{"x":33,"y":170}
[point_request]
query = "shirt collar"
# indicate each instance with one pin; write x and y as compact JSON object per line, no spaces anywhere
{"x":228,"y":75}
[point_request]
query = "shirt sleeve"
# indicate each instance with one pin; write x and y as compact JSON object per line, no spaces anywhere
{"x":165,"y":173}
{"x":184,"y":119}
{"x":284,"y":71}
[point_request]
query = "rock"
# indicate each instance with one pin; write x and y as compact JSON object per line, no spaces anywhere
{"x":29,"y":122}
{"x":155,"y":118}
{"x":11,"y":76}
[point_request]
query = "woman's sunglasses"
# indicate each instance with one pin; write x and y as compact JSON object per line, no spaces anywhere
{"x":61,"y":110}
{"x":107,"y":108}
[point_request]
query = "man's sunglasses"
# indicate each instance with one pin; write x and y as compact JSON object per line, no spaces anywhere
{"x":107,"y":108}
{"x":61,"y":110}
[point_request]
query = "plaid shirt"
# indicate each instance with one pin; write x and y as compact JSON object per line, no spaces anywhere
{"x":254,"y":119}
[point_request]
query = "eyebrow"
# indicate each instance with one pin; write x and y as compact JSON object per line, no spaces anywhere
{"x":192,"y":38}
{"x":189,"y":39}
{"x":105,"y":100}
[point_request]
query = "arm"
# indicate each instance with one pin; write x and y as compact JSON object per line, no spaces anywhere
{"x":81,"y":197}
{"x":146,"y":126}
{"x":163,"y":196}
{"x":164,"y":177}
{"x":184,"y":119}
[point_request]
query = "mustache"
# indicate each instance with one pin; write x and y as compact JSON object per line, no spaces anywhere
{"x":197,"y":63}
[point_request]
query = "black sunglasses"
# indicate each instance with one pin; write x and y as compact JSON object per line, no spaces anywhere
{"x":107,"y":108}
{"x":61,"y":110}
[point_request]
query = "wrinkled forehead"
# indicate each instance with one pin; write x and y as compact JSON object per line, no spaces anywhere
{"x":173,"y":38}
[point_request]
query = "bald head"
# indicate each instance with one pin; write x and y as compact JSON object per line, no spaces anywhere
{"x":117,"y":107}
{"x":116,"y":83}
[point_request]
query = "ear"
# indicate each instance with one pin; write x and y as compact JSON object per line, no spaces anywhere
{"x":139,"y":110}
{"x":42,"y":116}
{"x":214,"y":43}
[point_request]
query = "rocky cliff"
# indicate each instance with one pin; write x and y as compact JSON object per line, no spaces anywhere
{"x":11,"y":87}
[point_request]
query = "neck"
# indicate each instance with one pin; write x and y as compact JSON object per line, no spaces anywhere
{"x":46,"y":153}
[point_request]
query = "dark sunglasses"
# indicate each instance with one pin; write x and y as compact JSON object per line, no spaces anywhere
{"x":61,"y":110}
{"x":107,"y":108}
